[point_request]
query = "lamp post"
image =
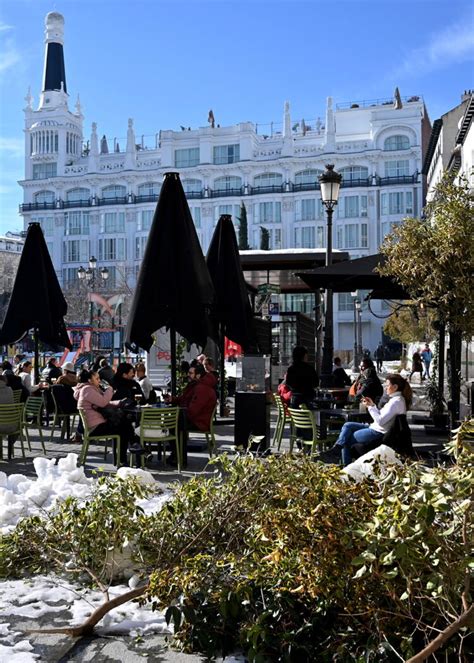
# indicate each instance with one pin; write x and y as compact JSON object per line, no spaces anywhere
{"x":358,"y":306}
{"x":89,"y":276}
{"x":356,"y":343}
{"x":330,"y":182}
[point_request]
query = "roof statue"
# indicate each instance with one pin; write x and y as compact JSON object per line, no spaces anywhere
{"x":397,"y":99}
{"x":211,"y":119}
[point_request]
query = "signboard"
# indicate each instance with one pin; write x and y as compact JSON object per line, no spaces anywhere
{"x":274,"y":308}
{"x":268,"y":289}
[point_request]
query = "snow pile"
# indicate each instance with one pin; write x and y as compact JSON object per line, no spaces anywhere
{"x":21,"y":497}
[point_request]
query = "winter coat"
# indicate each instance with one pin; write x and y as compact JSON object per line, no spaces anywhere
{"x":68,"y":379}
{"x":302,"y":380}
{"x":199,"y":398}
{"x":368,"y":384}
{"x":88,"y":398}
{"x":124,"y":388}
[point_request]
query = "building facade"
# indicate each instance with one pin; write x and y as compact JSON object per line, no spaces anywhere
{"x":96,"y":196}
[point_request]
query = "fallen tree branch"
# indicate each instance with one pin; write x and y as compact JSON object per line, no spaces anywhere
{"x":443,"y":637}
{"x":88,"y":626}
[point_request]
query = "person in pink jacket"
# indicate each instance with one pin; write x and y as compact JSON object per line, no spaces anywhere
{"x":90,"y":396}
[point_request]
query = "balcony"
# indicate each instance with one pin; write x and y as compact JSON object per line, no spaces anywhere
{"x":146,"y":198}
{"x":365,"y":181}
{"x":35,"y":207}
{"x":118,"y":200}
{"x":397,"y":179}
{"x":222,"y":193}
{"x":68,"y":204}
{"x":272,"y":188}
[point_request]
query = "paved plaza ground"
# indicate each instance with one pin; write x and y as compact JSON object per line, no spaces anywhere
{"x":151,"y":647}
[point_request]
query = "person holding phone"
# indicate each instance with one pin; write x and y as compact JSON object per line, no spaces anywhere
{"x":399,"y":395}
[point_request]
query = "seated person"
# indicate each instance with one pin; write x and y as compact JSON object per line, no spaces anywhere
{"x":6,"y":398}
{"x":199,"y":399}
{"x":340,"y":379}
{"x":90,"y":397}
{"x":125,"y":385}
{"x":26,"y":379}
{"x":399,"y":399}
{"x":51,"y":371}
{"x":14,"y":381}
{"x":301,"y":378}
{"x":368,"y":384}
{"x":106,"y":372}
{"x":69,"y":377}
{"x":144,"y":382}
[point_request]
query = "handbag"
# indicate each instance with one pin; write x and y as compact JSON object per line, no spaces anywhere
{"x":112,"y":414}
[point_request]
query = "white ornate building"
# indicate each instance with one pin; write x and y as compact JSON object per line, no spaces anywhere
{"x":97,"y":196}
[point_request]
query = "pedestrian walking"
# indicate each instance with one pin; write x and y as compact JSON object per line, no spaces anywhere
{"x":427,"y":357}
{"x":416,"y":365}
{"x":379,"y":355}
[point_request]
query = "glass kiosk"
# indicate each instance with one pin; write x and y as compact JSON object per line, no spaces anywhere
{"x":252,"y":412}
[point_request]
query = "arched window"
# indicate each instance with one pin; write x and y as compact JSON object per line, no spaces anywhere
{"x":396,"y":143}
{"x":268,"y":180}
{"x":192,"y":186}
{"x":44,"y":197}
{"x":307,"y":176}
{"x":149,"y":189}
{"x":78,"y":195}
{"x":351,"y":173}
{"x":114,"y":191}
{"x":226,"y":183}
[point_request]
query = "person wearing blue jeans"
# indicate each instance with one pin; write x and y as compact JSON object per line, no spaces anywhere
{"x":398,"y":399}
{"x":355,"y":433}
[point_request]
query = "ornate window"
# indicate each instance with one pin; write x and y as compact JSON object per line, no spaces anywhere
{"x":114,"y":191}
{"x":44,"y":197}
{"x":396,"y":143}
{"x":226,"y":183}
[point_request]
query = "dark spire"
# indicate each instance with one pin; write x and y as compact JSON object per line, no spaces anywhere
{"x":54,"y":71}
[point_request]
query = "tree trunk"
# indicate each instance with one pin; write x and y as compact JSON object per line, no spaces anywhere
{"x":455,"y":343}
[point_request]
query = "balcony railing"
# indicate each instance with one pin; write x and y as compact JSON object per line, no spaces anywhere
{"x":221,"y":193}
{"x":398,"y":179}
{"x":34,"y":207}
{"x":246,"y":190}
{"x":67,"y":204}
{"x":364,"y":181}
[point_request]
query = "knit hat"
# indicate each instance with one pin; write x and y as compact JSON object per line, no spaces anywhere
{"x":68,"y":366}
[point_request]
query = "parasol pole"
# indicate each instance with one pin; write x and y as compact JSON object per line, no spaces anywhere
{"x":36,"y":342}
{"x":173,"y":360}
{"x":221,"y":370}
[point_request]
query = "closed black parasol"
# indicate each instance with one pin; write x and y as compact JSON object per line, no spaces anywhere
{"x":37,"y":301}
{"x":174,"y":289}
{"x":232,"y":311}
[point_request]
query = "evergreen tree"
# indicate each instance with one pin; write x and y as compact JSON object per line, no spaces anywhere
{"x":264,"y":239}
{"x":243,"y":229}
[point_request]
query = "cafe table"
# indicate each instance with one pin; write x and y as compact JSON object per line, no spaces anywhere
{"x":348,"y":414}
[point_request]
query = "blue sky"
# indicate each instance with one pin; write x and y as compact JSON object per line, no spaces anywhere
{"x":167,"y":63}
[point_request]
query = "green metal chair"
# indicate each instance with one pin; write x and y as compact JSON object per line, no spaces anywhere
{"x":17,"y":395}
{"x":89,"y":437}
{"x":210,"y":435}
{"x":11,"y":417}
{"x":282,"y":419}
{"x":160,"y":425}
{"x":32,"y":418}
{"x":60,"y":418}
{"x":305,"y":419}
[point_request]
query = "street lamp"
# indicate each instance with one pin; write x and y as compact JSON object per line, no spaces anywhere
{"x":89,"y":276}
{"x":330,"y":182}
{"x":358,"y":308}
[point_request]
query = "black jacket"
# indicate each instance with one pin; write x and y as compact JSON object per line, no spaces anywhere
{"x":302,"y":379}
{"x":124,"y":388}
{"x":340,"y":378}
{"x":369,"y":384}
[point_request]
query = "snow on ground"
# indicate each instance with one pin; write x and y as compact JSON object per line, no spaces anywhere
{"x":49,"y":595}
{"x":46,"y":595}
{"x":21,"y":497}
